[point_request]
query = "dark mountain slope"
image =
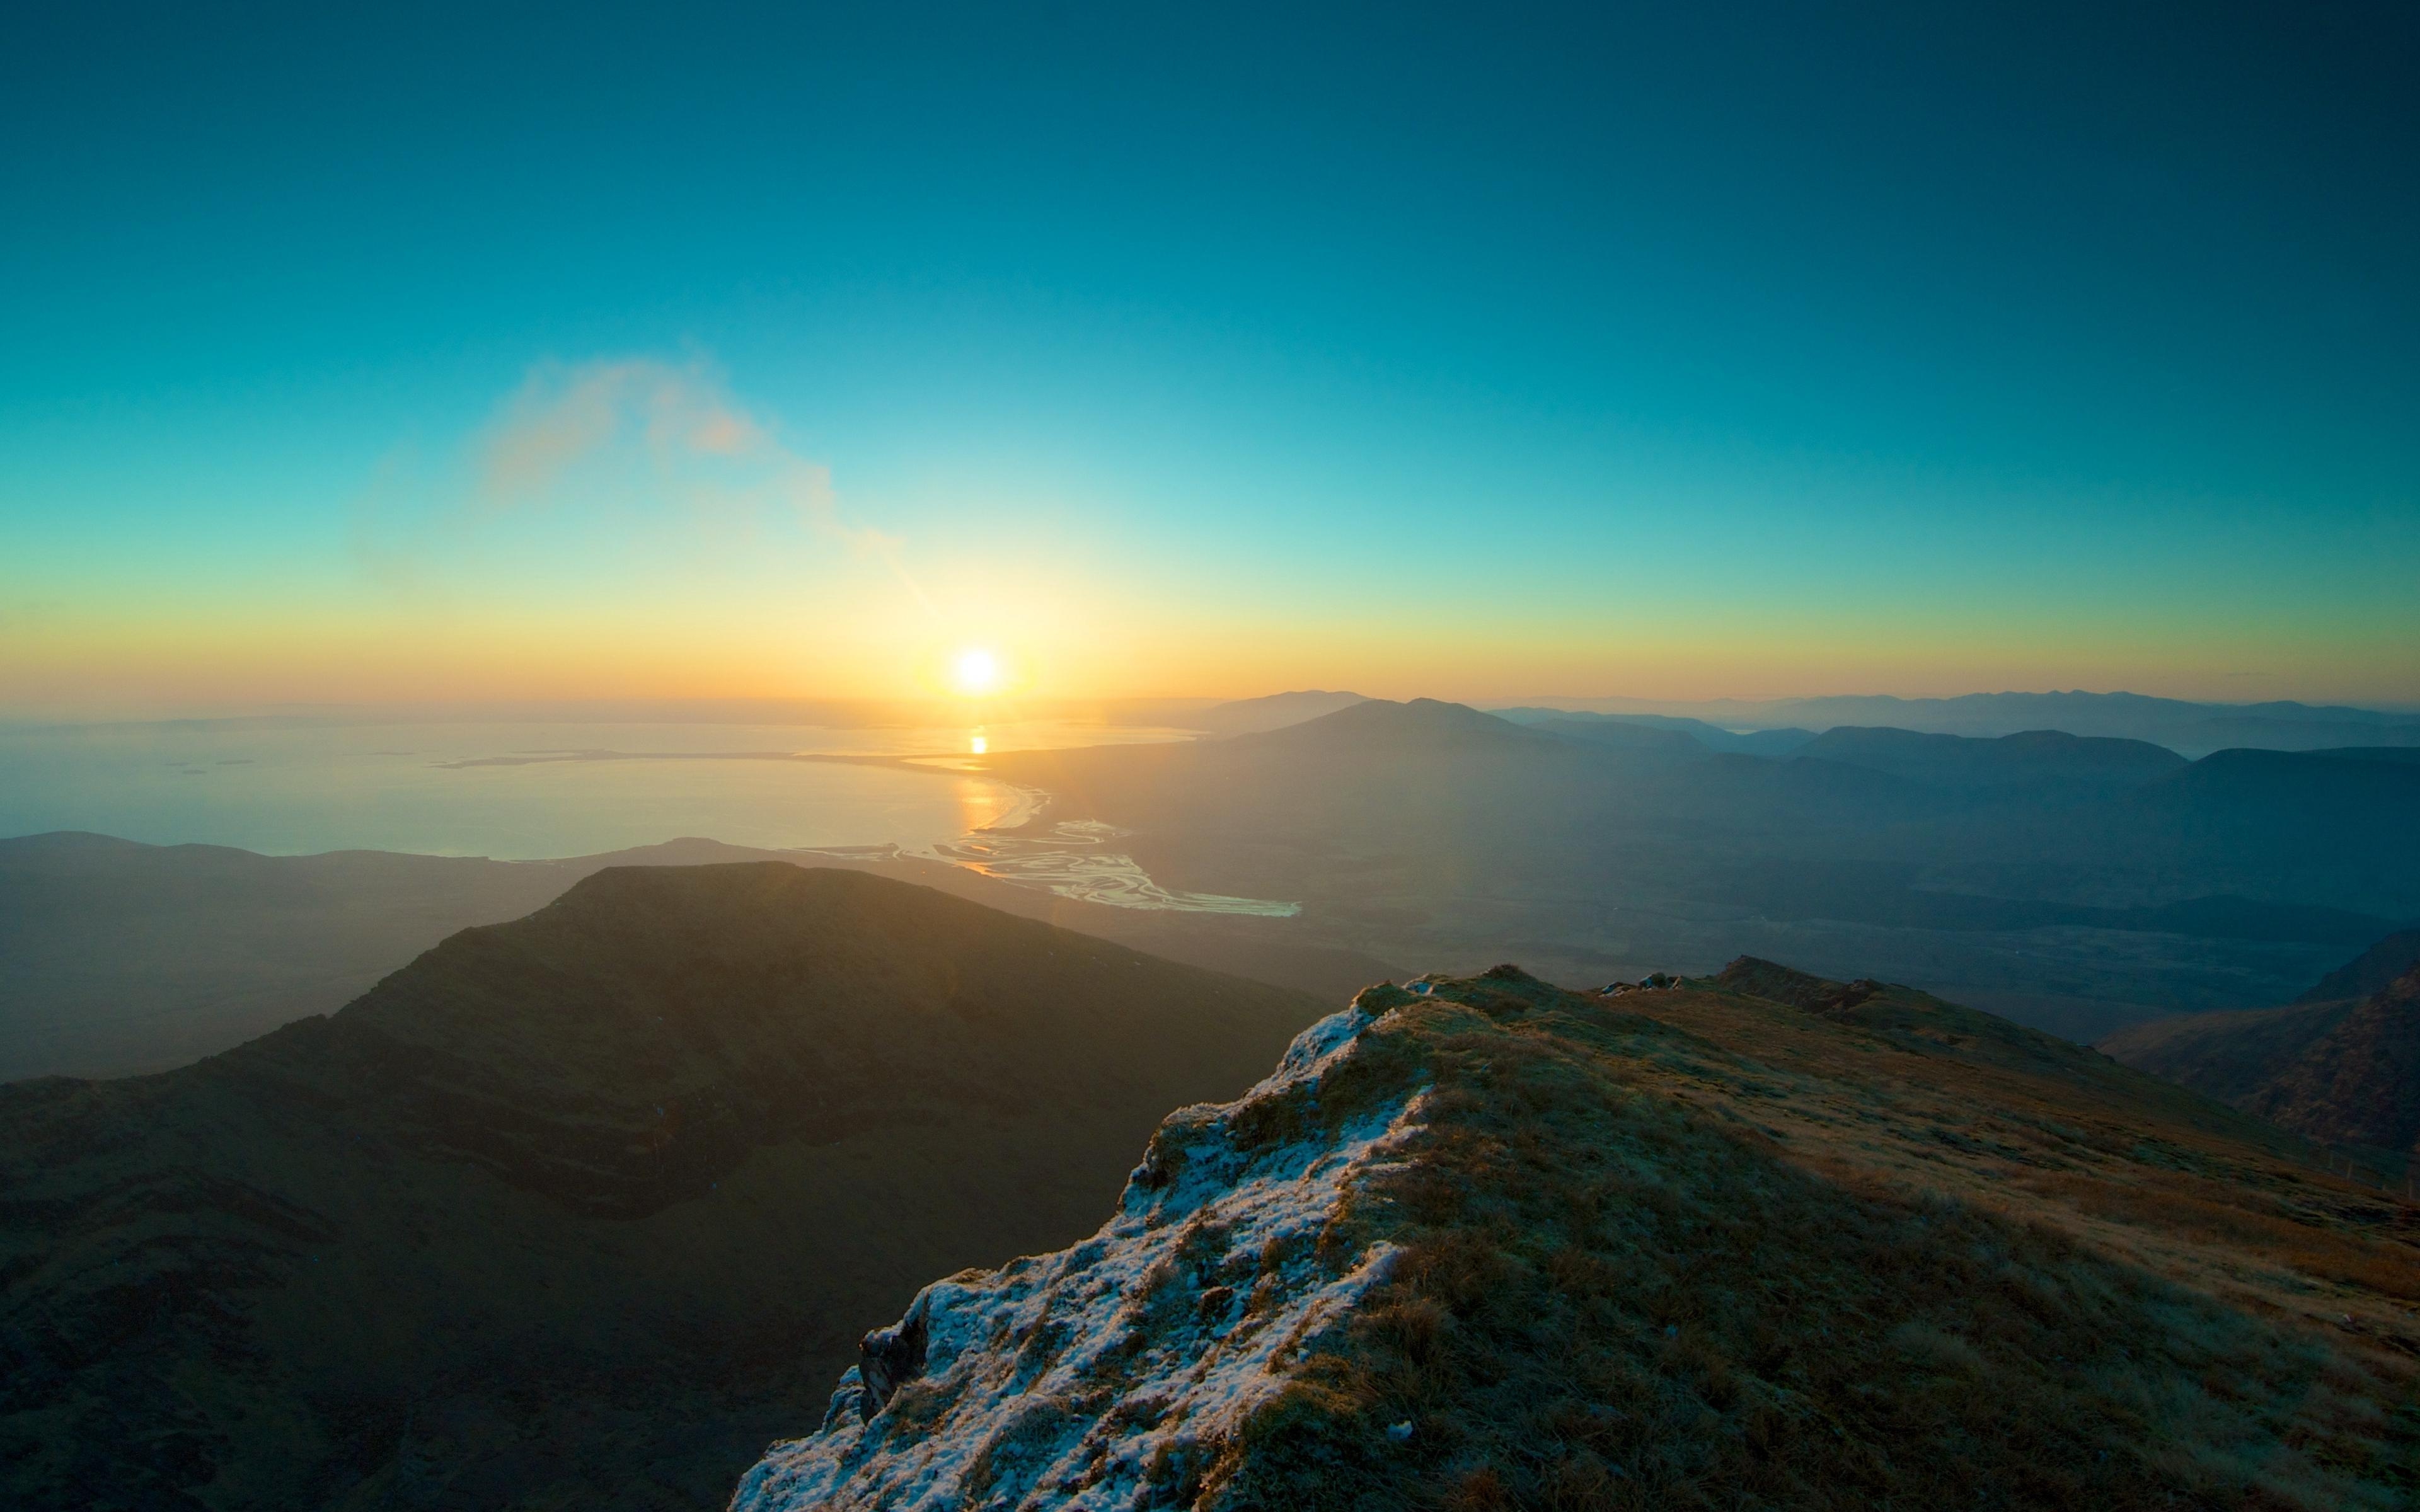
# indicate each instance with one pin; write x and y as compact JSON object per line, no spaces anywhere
{"x":2368,"y":972}
{"x":1482,"y":1244}
{"x":2346,"y":1072}
{"x":2042,"y":763}
{"x":1922,"y":1022}
{"x":118,"y":957}
{"x":2360,"y":1083}
{"x":556,"y":1214}
{"x":2226,"y":1056}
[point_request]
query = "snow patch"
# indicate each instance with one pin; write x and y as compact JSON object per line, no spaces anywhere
{"x":1089,"y":1377}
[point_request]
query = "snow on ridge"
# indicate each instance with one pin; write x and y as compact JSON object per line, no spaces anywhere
{"x":1089,"y":1377}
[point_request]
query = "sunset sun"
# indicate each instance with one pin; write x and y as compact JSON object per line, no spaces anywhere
{"x":975,"y":671}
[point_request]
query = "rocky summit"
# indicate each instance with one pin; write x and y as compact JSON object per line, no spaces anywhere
{"x":1758,"y":1240}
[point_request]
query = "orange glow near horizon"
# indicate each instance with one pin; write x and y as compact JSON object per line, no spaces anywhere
{"x":201,"y":656}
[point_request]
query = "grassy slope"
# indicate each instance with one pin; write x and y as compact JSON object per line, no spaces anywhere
{"x":2228,"y":1056}
{"x":1701,"y":1249}
{"x":577,"y":1211}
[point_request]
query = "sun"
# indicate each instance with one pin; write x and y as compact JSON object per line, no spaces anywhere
{"x":975,"y":671}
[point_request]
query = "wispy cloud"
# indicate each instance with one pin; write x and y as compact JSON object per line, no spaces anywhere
{"x":703,"y":450}
{"x":669,"y":433}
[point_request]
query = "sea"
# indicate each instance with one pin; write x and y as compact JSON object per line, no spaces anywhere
{"x":516,"y":791}
{"x":544,"y":791}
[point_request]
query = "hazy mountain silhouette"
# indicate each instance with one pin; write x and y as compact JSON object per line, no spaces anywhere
{"x":2075,"y":881}
{"x":116,"y":958}
{"x":1246,"y":717}
{"x":1624,"y":733}
{"x":2047,"y":762}
{"x":575,"y":1210}
{"x":2192,"y":729}
{"x":1583,"y":724}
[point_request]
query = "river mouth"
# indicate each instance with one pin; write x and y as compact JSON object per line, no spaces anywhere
{"x":1075,"y":859}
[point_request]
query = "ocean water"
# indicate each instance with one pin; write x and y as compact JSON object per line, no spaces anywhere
{"x":517,"y":792}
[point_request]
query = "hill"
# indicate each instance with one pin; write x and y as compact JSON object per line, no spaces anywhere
{"x":1484,"y":1244}
{"x":2368,"y":972}
{"x":2042,"y":760}
{"x":558,"y":1214}
{"x":1246,"y":717}
{"x":119,"y":958}
{"x":2344,"y":1071}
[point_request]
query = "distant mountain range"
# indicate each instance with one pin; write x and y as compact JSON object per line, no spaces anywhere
{"x":577,"y":1211}
{"x":2190,"y":729}
{"x":1759,"y":1240}
{"x":1775,"y":727}
{"x":1245,"y":716}
{"x":2037,"y":873}
{"x":2078,"y":883}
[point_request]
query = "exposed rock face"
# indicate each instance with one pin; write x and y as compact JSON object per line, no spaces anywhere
{"x":892,"y":1357}
{"x":1109,"y":1373}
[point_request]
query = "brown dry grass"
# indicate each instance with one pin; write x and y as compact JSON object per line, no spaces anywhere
{"x":1733,"y":1255}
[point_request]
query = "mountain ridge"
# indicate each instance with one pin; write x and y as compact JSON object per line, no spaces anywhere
{"x":1483,"y":1242}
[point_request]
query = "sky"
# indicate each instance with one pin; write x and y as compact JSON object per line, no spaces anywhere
{"x":360,"y":353}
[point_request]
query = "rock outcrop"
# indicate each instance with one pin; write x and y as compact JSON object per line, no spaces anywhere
{"x":1114,"y":1371}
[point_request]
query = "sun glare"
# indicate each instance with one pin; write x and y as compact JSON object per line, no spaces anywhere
{"x":975,"y":671}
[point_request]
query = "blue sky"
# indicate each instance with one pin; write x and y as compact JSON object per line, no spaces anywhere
{"x":1689,"y":352}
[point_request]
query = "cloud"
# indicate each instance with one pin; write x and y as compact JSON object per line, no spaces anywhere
{"x":702,"y":448}
{"x":650,"y":435}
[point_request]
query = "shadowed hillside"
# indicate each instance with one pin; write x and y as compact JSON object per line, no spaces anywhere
{"x":2368,"y":972}
{"x":2046,"y":761}
{"x":118,"y":957}
{"x":2342,"y":1073}
{"x":1766,"y":1241}
{"x":575,"y":1210}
